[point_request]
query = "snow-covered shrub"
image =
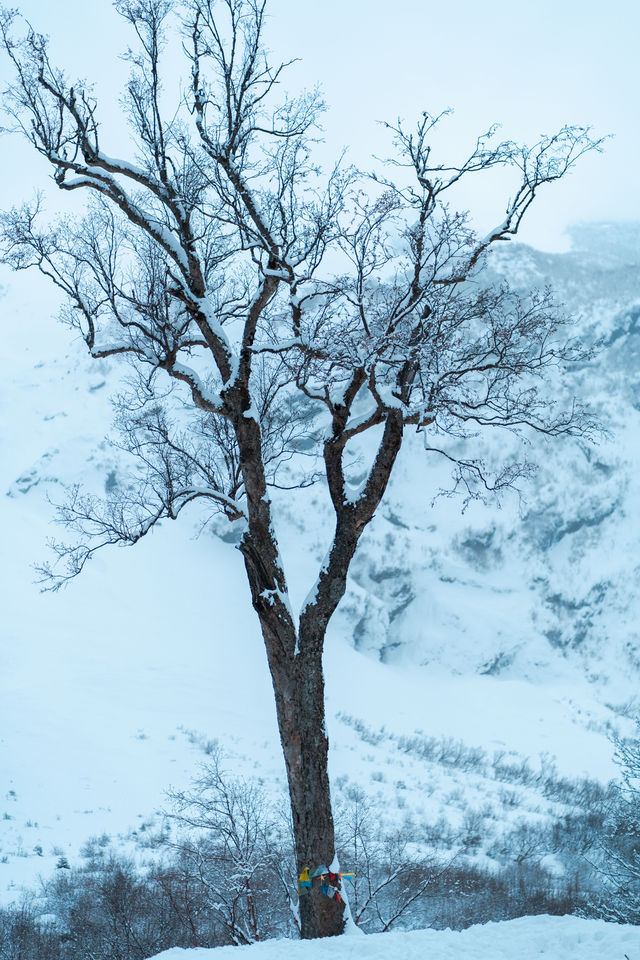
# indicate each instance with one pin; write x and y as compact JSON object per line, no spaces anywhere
{"x":228,"y":840}
{"x":620,"y":863}
{"x":22,"y":937}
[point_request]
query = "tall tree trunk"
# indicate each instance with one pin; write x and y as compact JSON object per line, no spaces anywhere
{"x":298,"y":686}
{"x":306,"y":749}
{"x":295,"y":663}
{"x":295,"y":655}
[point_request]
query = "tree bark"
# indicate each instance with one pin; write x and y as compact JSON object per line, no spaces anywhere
{"x":301,"y":718}
{"x":295,"y":654}
{"x":298,"y":686}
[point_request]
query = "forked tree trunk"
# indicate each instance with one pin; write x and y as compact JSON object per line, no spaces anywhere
{"x":298,"y":685}
{"x":294,"y":654}
{"x":295,"y":663}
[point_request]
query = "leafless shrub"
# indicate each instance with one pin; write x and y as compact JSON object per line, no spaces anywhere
{"x":526,"y":842}
{"x":227,"y":839}
{"x":619,"y":857}
{"x":392,"y":877}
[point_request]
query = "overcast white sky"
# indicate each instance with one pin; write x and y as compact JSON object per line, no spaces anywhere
{"x":530,"y":66}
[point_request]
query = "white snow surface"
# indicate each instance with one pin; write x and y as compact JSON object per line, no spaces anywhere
{"x":553,"y":938}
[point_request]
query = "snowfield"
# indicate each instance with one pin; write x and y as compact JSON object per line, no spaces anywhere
{"x":553,"y":938}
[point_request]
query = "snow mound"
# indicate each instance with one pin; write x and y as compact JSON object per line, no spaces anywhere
{"x":554,"y":938}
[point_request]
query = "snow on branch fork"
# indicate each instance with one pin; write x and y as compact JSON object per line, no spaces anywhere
{"x":271,"y":315}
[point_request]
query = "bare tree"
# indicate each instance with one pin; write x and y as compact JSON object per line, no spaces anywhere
{"x":228,"y":845}
{"x":390,"y":876}
{"x":260,"y":302}
{"x":619,"y":863}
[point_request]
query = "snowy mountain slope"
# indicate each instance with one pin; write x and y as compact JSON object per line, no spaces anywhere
{"x":509,"y":630}
{"x":547,"y":587}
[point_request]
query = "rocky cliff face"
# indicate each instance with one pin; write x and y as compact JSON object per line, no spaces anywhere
{"x":547,"y":585}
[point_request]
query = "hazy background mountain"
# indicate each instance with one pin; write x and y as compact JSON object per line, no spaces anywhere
{"x":509,"y":628}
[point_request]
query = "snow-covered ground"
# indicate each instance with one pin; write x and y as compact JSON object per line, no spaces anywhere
{"x":512,"y":630}
{"x":560,"y":938}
